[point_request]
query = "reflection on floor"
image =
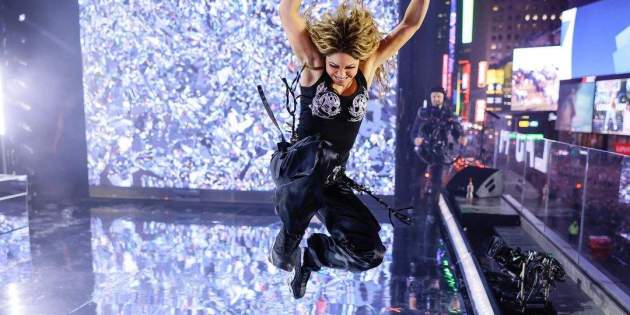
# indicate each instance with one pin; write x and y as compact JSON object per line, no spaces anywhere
{"x":159,"y":265}
{"x":134,"y":259}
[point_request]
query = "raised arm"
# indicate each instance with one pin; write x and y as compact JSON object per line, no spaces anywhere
{"x":294,"y":26}
{"x":389,"y":46}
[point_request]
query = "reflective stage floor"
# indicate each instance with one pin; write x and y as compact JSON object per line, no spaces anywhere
{"x":157,"y":259}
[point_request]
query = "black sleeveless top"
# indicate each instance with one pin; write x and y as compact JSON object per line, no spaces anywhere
{"x":335,"y":117}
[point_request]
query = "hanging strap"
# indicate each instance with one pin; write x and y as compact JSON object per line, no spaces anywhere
{"x":270,"y":112}
{"x":338,"y":176}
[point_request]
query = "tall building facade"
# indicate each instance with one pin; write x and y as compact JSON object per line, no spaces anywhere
{"x":513,"y":24}
{"x":499,"y":27}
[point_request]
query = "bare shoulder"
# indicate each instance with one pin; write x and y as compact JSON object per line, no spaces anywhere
{"x":368,"y":68}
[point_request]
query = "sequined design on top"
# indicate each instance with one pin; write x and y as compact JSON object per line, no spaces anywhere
{"x":327,"y":105}
{"x":359,"y":106}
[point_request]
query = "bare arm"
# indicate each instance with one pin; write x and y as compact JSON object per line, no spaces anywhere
{"x":294,"y":26}
{"x":389,"y":46}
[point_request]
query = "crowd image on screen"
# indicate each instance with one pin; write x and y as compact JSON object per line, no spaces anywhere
{"x":535,"y":89}
{"x":171,"y":99}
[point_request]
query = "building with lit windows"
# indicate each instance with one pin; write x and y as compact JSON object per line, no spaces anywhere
{"x":498,"y":27}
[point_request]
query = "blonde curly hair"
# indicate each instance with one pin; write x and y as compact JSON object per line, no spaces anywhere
{"x":349,"y":29}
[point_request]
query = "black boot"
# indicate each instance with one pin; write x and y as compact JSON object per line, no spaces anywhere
{"x":301,"y":274}
{"x":285,"y":252}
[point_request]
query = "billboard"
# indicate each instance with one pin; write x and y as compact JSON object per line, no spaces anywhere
{"x":611,"y":113}
{"x":596,"y":39}
{"x":575,"y":105}
{"x":535,"y":78}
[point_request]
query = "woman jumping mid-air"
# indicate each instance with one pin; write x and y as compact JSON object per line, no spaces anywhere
{"x":343,"y":52}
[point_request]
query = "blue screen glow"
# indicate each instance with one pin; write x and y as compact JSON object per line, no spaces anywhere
{"x":171,"y":100}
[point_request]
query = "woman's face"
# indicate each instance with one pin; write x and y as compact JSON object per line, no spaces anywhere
{"x":342,"y":68}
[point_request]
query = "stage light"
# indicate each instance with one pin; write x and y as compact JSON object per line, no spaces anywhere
{"x":14,"y":301}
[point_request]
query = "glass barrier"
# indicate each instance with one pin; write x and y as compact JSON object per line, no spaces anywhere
{"x":535,"y":188}
{"x":501,"y":155}
{"x":605,"y":236}
{"x":480,"y":145}
{"x":564,"y":194}
{"x":514,"y":173}
{"x":581,"y":195}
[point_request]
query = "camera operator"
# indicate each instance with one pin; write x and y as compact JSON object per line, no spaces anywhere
{"x":434,"y":120}
{"x":427,"y":117}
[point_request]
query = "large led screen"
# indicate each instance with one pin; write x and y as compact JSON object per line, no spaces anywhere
{"x":171,"y":100}
{"x":575,"y":106}
{"x":611,"y":114}
{"x":535,"y":81}
{"x":596,"y":39}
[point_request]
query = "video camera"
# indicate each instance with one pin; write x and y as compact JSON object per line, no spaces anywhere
{"x":437,"y":147}
{"x":526,"y":278}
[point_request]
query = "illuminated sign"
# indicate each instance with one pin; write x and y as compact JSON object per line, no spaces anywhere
{"x":482,"y":72}
{"x":496,"y":76}
{"x":458,"y":97}
{"x":445,"y":71}
{"x":466,"y":76}
{"x":480,"y":110}
{"x":525,"y":149}
{"x":528,"y":123}
{"x":452,"y":40}
{"x":464,"y":106}
{"x":468,"y":21}
{"x":622,"y":148}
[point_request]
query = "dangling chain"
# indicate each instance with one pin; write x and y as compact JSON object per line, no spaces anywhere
{"x":338,"y":176}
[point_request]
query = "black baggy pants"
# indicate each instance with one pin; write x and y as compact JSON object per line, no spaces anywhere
{"x":301,"y":193}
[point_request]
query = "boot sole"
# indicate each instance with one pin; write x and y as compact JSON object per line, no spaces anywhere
{"x":286,"y":266}
{"x":296,"y":271}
